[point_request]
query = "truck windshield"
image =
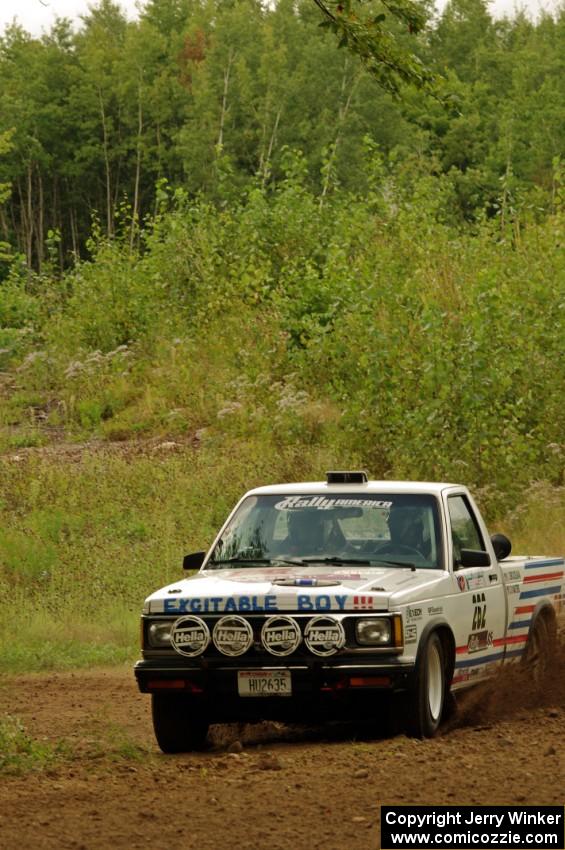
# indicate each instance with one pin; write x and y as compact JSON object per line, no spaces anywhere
{"x":370,"y":529}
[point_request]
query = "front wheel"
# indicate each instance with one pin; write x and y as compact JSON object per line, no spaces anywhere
{"x":179,"y":725}
{"x":426,"y":701}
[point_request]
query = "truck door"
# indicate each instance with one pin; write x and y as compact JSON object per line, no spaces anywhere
{"x":480,"y":599}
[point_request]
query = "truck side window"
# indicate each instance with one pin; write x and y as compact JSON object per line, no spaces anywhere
{"x":464,"y":529}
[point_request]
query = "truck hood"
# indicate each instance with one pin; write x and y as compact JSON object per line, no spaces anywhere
{"x":302,"y":589}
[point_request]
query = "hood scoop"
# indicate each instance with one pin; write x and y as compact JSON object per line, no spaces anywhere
{"x":305,"y":582}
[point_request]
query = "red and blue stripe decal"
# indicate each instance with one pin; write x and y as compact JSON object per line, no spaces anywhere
{"x":553,"y":562}
{"x":474,"y":662}
{"x":553,"y":575}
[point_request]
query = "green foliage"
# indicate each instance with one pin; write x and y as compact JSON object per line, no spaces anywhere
{"x":92,"y":121}
{"x":373,"y":326}
{"x":372,"y":37}
{"x":19,"y":753}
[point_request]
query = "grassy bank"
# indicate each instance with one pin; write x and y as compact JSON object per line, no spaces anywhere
{"x":85,"y":538}
{"x":364,"y":326}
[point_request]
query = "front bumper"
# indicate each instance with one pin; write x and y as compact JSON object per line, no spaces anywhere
{"x":345,"y":688}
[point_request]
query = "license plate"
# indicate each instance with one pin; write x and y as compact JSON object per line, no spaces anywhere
{"x":264,"y":683}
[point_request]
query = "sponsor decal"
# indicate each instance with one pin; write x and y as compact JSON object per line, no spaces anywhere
{"x":251,"y":575}
{"x":479,"y":640}
{"x":281,"y":635}
{"x":321,"y":503}
{"x":255,"y":576}
{"x":475,"y":581}
{"x":413,"y":613}
{"x":251,"y":604}
{"x":305,"y":582}
{"x":512,"y":588}
{"x":324,"y":636}
{"x":363,"y":603}
{"x":512,"y":575}
{"x":460,"y":677}
{"x":461,"y":583}
{"x":411,"y":633}
{"x":232,"y":635}
{"x":323,"y":602}
{"x":433,"y":610}
{"x":339,"y":575}
{"x":215,"y":604}
{"x":190,"y":636}
{"x":479,"y":611}
{"x":259,"y":604}
{"x":492,"y":577}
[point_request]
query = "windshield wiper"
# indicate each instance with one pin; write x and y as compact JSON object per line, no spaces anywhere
{"x":335,"y":560}
{"x":397,"y":563}
{"x":240,"y":559}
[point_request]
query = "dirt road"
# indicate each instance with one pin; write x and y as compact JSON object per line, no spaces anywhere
{"x":288,"y":788}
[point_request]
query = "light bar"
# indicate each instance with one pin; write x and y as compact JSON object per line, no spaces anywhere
{"x":347,"y":477}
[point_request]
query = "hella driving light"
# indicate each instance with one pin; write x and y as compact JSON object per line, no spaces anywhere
{"x":281,"y":635}
{"x":232,"y":635}
{"x":324,"y":636}
{"x":190,"y":636}
{"x":374,"y":631}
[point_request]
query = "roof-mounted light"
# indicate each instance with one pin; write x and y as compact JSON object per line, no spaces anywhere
{"x":347,"y":477}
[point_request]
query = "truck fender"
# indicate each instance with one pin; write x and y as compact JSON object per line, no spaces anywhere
{"x":440,"y":625}
{"x":544,"y":608}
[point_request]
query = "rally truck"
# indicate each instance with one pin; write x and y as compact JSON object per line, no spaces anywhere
{"x":332,"y":599}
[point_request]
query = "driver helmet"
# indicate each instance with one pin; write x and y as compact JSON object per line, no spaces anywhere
{"x":306,"y":529}
{"x":406,"y":526}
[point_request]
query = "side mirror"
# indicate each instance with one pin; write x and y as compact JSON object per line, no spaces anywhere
{"x":193,"y":561}
{"x":474,"y":558}
{"x":501,"y":545}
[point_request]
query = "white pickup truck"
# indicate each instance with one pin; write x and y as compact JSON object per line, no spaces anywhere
{"x":317,"y":600}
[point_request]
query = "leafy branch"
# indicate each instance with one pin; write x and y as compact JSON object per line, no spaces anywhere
{"x":368,"y":36}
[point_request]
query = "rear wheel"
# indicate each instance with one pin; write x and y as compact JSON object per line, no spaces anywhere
{"x":426,"y":701}
{"x":540,"y":646}
{"x":179,"y":725}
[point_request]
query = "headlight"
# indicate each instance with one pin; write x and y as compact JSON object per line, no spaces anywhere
{"x":159,"y":634}
{"x":374,"y":632}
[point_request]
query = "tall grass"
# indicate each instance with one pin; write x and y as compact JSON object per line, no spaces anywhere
{"x":84,"y":542}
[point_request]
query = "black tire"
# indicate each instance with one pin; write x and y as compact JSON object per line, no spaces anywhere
{"x":540,"y":647}
{"x":449,"y":706}
{"x":426,"y":701}
{"x":179,"y":725}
